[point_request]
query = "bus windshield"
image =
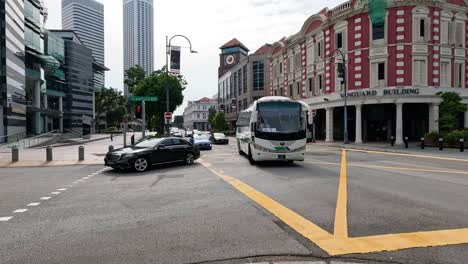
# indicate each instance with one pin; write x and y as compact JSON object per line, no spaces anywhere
{"x":280,"y":117}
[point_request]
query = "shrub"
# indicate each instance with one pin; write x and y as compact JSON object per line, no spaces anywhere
{"x":452,"y":138}
{"x":432,"y":137}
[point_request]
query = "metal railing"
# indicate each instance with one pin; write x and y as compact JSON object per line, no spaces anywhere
{"x":5,"y":140}
{"x":341,"y":8}
{"x":32,"y":141}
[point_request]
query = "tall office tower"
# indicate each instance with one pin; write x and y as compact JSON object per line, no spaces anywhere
{"x":138,"y":35}
{"x":86,"y":19}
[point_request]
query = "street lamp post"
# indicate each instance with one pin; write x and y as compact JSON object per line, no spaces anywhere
{"x":168,"y":52}
{"x":343,"y":58}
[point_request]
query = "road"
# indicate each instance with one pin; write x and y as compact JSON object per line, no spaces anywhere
{"x":347,"y":206}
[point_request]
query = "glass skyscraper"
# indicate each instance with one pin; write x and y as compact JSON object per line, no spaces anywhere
{"x":138,"y":34}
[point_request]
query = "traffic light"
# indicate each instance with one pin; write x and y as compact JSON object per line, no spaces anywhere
{"x":341,"y":71}
{"x":138,"y":111}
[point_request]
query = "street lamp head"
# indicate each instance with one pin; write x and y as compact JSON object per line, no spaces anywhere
{"x":193,"y":51}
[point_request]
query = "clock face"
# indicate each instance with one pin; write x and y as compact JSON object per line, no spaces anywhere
{"x":230,"y":59}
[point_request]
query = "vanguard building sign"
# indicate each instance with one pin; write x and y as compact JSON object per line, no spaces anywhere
{"x":383,"y":92}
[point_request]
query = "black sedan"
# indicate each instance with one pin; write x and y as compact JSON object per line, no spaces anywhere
{"x":151,"y":152}
{"x":219,"y":138}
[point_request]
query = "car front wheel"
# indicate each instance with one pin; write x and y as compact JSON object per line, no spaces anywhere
{"x":189,"y":159}
{"x":140,"y":164}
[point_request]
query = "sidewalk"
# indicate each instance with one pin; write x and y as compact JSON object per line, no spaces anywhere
{"x":413,"y":148}
{"x":65,"y":155}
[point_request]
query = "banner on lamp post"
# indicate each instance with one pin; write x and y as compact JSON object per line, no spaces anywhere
{"x":175,"y":60}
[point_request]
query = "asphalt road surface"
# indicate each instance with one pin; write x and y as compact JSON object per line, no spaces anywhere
{"x":338,"y":205}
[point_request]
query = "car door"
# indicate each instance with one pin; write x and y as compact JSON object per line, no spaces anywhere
{"x":180,"y":149}
{"x":162,"y":153}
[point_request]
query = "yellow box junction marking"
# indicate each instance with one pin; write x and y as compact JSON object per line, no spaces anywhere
{"x":341,"y":219}
{"x":339,"y":243}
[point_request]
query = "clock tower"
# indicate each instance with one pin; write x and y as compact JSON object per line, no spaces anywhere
{"x":232,"y":53}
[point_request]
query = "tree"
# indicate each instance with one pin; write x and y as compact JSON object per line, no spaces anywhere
{"x":211,"y":115}
{"x":112,"y":104}
{"x":219,"y":122}
{"x":155,"y":85}
{"x":133,"y":77}
{"x":450,"y":110}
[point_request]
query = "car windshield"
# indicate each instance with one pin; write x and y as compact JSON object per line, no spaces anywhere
{"x":201,"y":137}
{"x":149,"y":143}
{"x":280,"y":117}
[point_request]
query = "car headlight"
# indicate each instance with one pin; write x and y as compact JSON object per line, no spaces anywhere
{"x":126,"y":156}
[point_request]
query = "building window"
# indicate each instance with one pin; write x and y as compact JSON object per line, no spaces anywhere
{"x":320,"y":82}
{"x":445,"y":74}
{"x":339,"y":40}
{"x":235,"y":83}
{"x":419,"y":72}
{"x":281,"y":92}
{"x":378,"y":74}
{"x":281,"y":68}
{"x":204,"y":116}
{"x":244,"y":78}
{"x":458,"y":75}
{"x":319,"y":49}
{"x":240,"y":105}
{"x":310,"y":83}
{"x":444,"y":32}
{"x":378,"y":31}
{"x":258,"y":75}
{"x":298,"y":61}
{"x":274,"y":92}
{"x":310,"y":55}
{"x":245,"y":103}
{"x":239,"y":82}
{"x":291,"y":90}
{"x":460,"y":36}
{"x":422,"y":28}
{"x":298,"y":87}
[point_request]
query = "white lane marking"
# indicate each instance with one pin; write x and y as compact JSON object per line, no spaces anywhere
{"x":33,"y":204}
{"x":20,"y":211}
{"x":62,"y":189}
{"x":45,"y":198}
{"x":85,"y":178}
{"x":55,"y":193}
{"x":5,"y":219}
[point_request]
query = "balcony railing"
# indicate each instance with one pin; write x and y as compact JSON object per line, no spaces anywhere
{"x":343,"y":7}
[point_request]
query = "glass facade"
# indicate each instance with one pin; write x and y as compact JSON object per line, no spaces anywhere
{"x":32,"y":39}
{"x":32,"y":13}
{"x":55,"y":47}
{"x":258,"y":75}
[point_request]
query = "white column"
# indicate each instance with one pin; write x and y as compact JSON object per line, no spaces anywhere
{"x":329,"y":124}
{"x":37,"y":104}
{"x":399,"y":124}
{"x":61,"y":114}
{"x":358,"y":124}
{"x":433,"y":117}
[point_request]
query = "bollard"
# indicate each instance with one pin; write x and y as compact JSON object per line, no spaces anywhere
{"x":422,"y":143}
{"x":81,"y":153}
{"x":14,"y":154}
{"x":112,"y":137}
{"x":111,"y":148}
{"x":406,"y":142}
{"x":49,"y":154}
{"x":392,"y":141}
{"x":441,"y":144}
{"x":132,"y":140}
{"x":462,"y":145}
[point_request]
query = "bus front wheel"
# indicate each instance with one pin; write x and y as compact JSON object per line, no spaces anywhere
{"x":239,"y":148}
{"x":251,"y":160}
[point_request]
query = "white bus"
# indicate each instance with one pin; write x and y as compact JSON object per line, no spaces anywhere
{"x":273,"y":128}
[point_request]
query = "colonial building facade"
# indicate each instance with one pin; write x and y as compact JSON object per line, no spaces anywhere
{"x":395,"y":69}
{"x":242,"y":78}
{"x":196,"y":113}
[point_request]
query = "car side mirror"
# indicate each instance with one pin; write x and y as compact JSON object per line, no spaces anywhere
{"x":161,"y":146}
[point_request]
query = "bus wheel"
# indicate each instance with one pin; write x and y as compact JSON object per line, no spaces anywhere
{"x":251,"y":160}
{"x":239,"y":148}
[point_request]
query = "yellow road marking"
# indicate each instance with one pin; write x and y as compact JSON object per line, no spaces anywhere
{"x":297,"y":222}
{"x":341,"y":219}
{"x":408,"y":155}
{"x":340,"y":245}
{"x":387,"y":167}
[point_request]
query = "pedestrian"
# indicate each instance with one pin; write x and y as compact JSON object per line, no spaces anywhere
{"x":112,"y":136}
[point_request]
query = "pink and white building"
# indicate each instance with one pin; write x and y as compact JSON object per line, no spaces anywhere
{"x":395,"y":71}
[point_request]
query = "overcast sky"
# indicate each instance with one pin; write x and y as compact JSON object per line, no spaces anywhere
{"x":208,"y":24}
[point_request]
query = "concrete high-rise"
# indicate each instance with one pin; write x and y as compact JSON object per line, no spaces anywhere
{"x":86,"y":19}
{"x":138,"y":35}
